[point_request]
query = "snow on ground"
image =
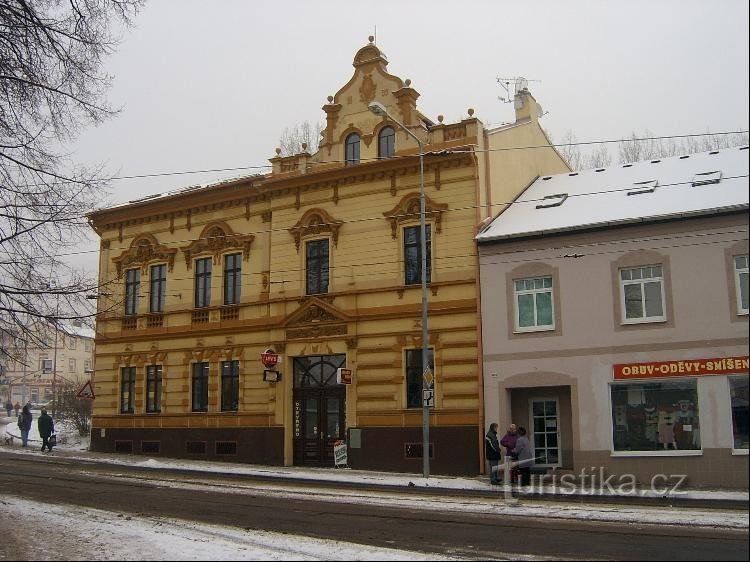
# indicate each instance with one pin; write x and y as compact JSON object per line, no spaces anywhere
{"x":76,"y":533}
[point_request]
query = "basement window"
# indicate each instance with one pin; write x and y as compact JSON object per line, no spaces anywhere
{"x":706,"y":178}
{"x":640,"y":187}
{"x":552,"y":201}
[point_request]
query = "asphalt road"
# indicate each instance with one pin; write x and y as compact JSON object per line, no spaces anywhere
{"x":137,"y":491}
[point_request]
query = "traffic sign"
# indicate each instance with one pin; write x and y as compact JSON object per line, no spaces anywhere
{"x":269,"y":358}
{"x":428,"y":398}
{"x":87,"y":391}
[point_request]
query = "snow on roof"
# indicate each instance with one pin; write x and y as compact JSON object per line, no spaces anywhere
{"x":697,"y":184}
{"x":80,"y":331}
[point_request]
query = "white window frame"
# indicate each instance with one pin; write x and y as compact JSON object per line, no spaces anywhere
{"x":737,"y":283}
{"x":72,"y":367}
{"x":642,"y":281}
{"x":516,"y":293}
{"x":44,"y":368}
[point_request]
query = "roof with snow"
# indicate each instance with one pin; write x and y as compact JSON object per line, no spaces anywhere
{"x":680,"y":186}
{"x":78,"y":329}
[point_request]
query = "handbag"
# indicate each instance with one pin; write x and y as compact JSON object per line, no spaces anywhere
{"x":52,"y":440}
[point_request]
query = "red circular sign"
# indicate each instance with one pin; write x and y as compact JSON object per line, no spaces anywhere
{"x":269,"y":357}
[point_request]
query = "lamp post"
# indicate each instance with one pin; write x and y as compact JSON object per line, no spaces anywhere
{"x":379,"y":109}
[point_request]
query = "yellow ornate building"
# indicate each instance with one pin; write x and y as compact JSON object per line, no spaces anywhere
{"x":319,"y":261}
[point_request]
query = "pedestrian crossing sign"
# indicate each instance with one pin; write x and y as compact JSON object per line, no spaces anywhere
{"x":86,"y":391}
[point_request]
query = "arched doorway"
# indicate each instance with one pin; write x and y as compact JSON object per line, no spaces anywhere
{"x":319,"y":409}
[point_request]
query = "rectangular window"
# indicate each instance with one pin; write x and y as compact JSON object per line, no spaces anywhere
{"x":740,"y":283}
{"x":46,"y":366}
{"x":87,"y":345}
{"x":656,"y":416}
{"x":413,"y":255}
{"x":202,"y":283}
{"x":232,"y":278}
{"x":738,"y":389}
{"x":132,"y":289}
{"x":230,"y":385}
{"x":153,"y":388}
{"x":72,"y":343}
{"x":414,"y":372}
{"x":200,"y":387}
{"x":158,"y":288}
{"x":534,"y":304}
{"x":71,"y":365}
{"x":127,"y":390}
{"x":87,"y":365}
{"x":316,"y":266}
{"x":642,"y":294}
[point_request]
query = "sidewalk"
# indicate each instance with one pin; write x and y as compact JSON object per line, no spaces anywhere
{"x":593,"y":491}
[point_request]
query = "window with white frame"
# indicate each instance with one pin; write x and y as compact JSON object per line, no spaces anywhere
{"x":741,"y":283}
{"x":642,"y":294}
{"x":534,"y":309}
{"x":46,"y":365}
{"x":71,"y":365}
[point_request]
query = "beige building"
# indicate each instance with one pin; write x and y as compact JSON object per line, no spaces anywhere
{"x":319,"y":262}
{"x":66,"y":358}
{"x":615,"y":319}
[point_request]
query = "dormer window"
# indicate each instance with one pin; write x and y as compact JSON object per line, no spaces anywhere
{"x":352,"y":149}
{"x":386,"y":142}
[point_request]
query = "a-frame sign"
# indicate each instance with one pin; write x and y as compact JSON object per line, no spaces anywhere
{"x":87,"y":391}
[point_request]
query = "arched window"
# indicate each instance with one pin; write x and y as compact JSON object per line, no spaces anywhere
{"x":386,"y":142}
{"x":352,"y":149}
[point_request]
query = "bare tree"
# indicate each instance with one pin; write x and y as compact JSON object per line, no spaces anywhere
{"x":73,"y":409}
{"x":293,"y":137}
{"x":51,"y":85}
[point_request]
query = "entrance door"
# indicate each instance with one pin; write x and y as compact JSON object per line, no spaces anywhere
{"x":319,"y":409}
{"x":545,"y":430}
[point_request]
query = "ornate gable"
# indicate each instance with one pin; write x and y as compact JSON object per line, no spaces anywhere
{"x":144,"y":250}
{"x":408,"y":209}
{"x":217,"y":237}
{"x":315,"y":319}
{"x":316,"y":221}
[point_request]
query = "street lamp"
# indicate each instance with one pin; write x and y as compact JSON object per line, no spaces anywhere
{"x":379,"y":109}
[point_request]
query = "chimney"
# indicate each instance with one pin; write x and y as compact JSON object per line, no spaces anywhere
{"x":526,"y":106}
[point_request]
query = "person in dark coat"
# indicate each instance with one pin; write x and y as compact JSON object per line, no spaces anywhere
{"x":9,"y":407}
{"x":509,"y":442}
{"x":525,"y":456}
{"x":492,"y":453}
{"x":24,"y":424}
{"x":46,"y":427}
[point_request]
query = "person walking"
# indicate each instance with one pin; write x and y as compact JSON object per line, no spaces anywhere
{"x":46,"y":428}
{"x":9,"y":407}
{"x":18,"y":407}
{"x":509,"y":442}
{"x":492,"y":453}
{"x":24,"y":424}
{"x":525,"y":456}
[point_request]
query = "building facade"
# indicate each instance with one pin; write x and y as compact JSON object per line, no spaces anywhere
{"x":317,"y":261}
{"x":65,"y":358}
{"x":615,"y":319}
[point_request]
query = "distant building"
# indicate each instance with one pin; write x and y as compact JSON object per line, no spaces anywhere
{"x":615,"y":318}
{"x":320,"y":261}
{"x":66,"y":357}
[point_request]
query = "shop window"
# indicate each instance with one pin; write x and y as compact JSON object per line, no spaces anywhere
{"x":414,"y":373}
{"x":642,"y":294}
{"x":230,"y":385}
{"x":741,"y":283}
{"x":655,"y":416}
{"x":738,"y":388}
{"x":534,"y":309}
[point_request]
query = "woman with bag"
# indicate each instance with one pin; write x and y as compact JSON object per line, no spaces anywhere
{"x":46,"y":427}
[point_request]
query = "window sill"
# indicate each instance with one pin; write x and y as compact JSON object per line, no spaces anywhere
{"x":636,"y":321}
{"x":740,"y":452}
{"x":534,"y":330}
{"x":667,"y":453}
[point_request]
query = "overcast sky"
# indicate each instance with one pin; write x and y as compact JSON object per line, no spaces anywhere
{"x":206,"y":85}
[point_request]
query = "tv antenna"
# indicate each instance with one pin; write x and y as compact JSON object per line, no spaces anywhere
{"x":512,"y":86}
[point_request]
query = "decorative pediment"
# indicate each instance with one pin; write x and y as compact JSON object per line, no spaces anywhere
{"x":217,"y":237}
{"x":315,"y":222}
{"x":408,"y":210}
{"x":315,"y":311}
{"x":144,"y":250}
